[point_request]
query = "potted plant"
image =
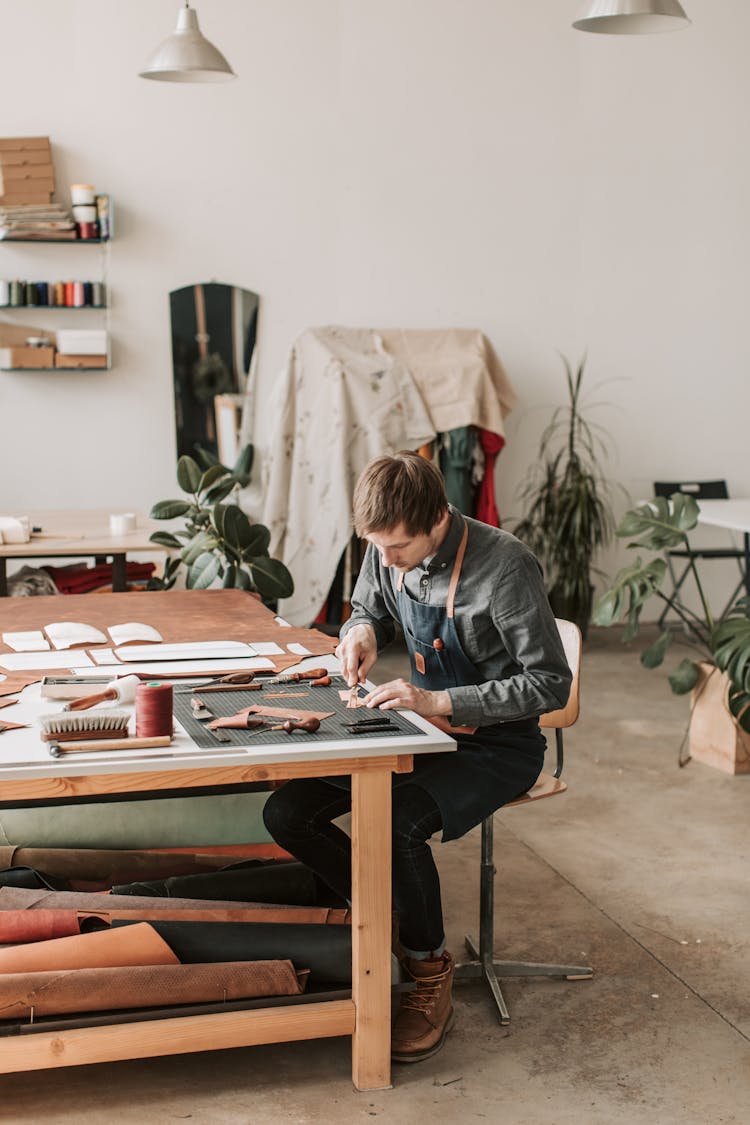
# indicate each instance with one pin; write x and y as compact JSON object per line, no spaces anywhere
{"x":568,"y":517}
{"x":718,"y":671}
{"x":218,"y":541}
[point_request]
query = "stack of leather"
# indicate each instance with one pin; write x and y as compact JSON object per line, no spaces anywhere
{"x":160,"y":945}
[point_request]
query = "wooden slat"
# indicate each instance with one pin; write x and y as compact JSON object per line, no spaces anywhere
{"x":175,"y":1036}
{"x":39,"y":788}
{"x":371,"y":944}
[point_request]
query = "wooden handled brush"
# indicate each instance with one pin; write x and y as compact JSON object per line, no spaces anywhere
{"x":100,"y":724}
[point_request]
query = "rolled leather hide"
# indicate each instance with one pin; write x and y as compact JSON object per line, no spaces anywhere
{"x":285,"y":884}
{"x":325,"y":950}
{"x":109,"y":866}
{"x":140,"y":945}
{"x":19,"y":926}
{"x":113,"y":989}
{"x":40,"y":898}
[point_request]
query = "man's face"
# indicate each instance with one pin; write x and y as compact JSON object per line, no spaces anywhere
{"x":404,"y":551}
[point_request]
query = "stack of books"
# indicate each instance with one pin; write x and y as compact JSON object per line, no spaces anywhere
{"x":35,"y":220}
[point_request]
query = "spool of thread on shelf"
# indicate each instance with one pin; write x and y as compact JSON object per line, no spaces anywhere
{"x":30,"y":295}
{"x":97,"y":294}
{"x":153,"y":710}
{"x":4,"y":294}
{"x":59,"y":293}
{"x":77,"y":294}
{"x":16,"y":293}
{"x":42,"y":293}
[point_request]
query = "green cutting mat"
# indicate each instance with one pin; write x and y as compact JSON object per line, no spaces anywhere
{"x":315,"y":699}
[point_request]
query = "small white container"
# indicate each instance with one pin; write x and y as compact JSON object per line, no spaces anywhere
{"x":82,"y":193}
{"x":84,"y":213}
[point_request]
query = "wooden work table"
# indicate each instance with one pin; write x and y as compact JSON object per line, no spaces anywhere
{"x":81,"y":533}
{"x":28,"y":773}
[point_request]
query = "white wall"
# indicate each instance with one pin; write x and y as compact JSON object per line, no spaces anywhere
{"x":397,"y":162}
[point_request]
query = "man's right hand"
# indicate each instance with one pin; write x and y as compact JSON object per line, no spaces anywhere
{"x":357,"y":653}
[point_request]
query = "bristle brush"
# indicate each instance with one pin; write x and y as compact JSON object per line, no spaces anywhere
{"x":68,"y":727}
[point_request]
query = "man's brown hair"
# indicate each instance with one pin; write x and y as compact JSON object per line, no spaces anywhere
{"x":403,"y":488}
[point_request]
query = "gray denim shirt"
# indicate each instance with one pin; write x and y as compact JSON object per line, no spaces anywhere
{"x":502,"y":615}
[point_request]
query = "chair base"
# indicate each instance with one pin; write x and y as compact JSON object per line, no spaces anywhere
{"x":490,"y":970}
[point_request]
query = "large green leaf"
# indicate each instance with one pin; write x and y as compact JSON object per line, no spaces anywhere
{"x":169,"y":509}
{"x":221,"y":490}
{"x":631,"y":589}
{"x":205,"y":457}
{"x":164,"y":539}
{"x":653,"y":656}
{"x":237,"y":527}
{"x":271,"y":578}
{"x":260,"y":537}
{"x":203,"y":572}
{"x":244,"y":464}
{"x":731,"y":649}
{"x":660,"y":524}
{"x":211,"y":475}
{"x":188,"y":474}
{"x":198,"y":546}
{"x":685,"y":677}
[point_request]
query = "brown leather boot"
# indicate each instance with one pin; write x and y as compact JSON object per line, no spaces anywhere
{"x":425,"y":1015}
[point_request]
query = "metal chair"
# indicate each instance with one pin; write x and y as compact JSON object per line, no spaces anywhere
{"x":483,"y":964}
{"x":699,"y":490}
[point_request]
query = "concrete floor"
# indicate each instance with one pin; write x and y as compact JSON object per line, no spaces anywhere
{"x":640,"y":870}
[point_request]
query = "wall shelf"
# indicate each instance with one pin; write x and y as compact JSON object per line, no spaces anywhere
{"x":56,"y":370}
{"x":57,"y":241}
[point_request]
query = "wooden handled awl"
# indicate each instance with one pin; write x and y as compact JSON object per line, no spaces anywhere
{"x":295,"y":677}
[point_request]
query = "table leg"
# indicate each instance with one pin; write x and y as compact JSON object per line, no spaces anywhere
{"x":371,"y":929}
{"x":119,"y":574}
{"x":3,"y":579}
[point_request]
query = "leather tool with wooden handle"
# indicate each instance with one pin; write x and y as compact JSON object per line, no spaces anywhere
{"x":119,"y":691}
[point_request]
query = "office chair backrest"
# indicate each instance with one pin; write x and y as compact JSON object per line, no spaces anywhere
{"x":570,"y":635}
{"x":698,"y":489}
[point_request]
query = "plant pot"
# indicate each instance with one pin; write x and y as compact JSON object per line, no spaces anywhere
{"x":715,"y":738}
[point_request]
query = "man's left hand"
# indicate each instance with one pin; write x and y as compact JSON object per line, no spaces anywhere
{"x":407,"y":697}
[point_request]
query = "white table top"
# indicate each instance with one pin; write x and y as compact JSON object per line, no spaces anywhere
{"x":24,"y":755}
{"x":731,"y":514}
{"x":83,"y":531}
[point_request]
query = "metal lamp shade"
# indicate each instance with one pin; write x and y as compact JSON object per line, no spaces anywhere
{"x":632,"y":17}
{"x":186,"y":56}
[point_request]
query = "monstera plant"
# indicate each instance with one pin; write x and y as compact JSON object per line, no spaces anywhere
{"x":218,"y":542}
{"x":662,"y":525}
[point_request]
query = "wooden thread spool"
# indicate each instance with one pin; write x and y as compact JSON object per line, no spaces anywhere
{"x":153,"y":709}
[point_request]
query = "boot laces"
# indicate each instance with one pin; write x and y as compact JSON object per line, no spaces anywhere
{"x":422,"y":997}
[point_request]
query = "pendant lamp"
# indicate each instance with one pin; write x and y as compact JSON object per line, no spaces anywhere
{"x":632,"y":17}
{"x":186,"y":56}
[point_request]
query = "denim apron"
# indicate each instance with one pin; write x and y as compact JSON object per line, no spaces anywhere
{"x":493,"y":764}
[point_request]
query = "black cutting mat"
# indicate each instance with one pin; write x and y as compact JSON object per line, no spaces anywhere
{"x":316,"y":699}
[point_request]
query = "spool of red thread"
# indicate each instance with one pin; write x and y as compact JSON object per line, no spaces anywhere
{"x":153,"y":710}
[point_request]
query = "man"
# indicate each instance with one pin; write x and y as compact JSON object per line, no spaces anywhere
{"x":485,"y":656}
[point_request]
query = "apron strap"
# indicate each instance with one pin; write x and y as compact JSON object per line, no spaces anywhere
{"x":457,"y":571}
{"x":454,"y":576}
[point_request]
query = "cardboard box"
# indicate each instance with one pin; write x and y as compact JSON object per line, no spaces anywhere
{"x":15,"y":335}
{"x":27,"y":357}
{"x":24,"y":156}
{"x":21,"y":144}
{"x":25,"y":195}
{"x":80,"y":360}
{"x":10,"y":173}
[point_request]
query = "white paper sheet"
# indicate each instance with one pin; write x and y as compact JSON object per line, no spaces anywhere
{"x":267,"y":648}
{"x":33,"y":641}
{"x":133,"y":631}
{"x":32,"y":661}
{"x":195,"y":650}
{"x":299,"y":650}
{"x":63,"y":634}
{"x":164,"y":668}
{"x":103,"y":655}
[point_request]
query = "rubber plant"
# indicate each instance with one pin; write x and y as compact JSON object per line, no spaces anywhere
{"x":218,"y":540}
{"x":661,"y":525}
{"x":568,"y":516}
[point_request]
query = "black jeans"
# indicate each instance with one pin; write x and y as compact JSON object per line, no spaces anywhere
{"x":299,"y":817}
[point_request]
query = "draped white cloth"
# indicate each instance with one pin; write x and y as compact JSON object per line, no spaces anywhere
{"x":348,"y":395}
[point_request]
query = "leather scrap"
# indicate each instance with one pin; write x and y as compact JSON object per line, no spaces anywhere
{"x":141,"y":945}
